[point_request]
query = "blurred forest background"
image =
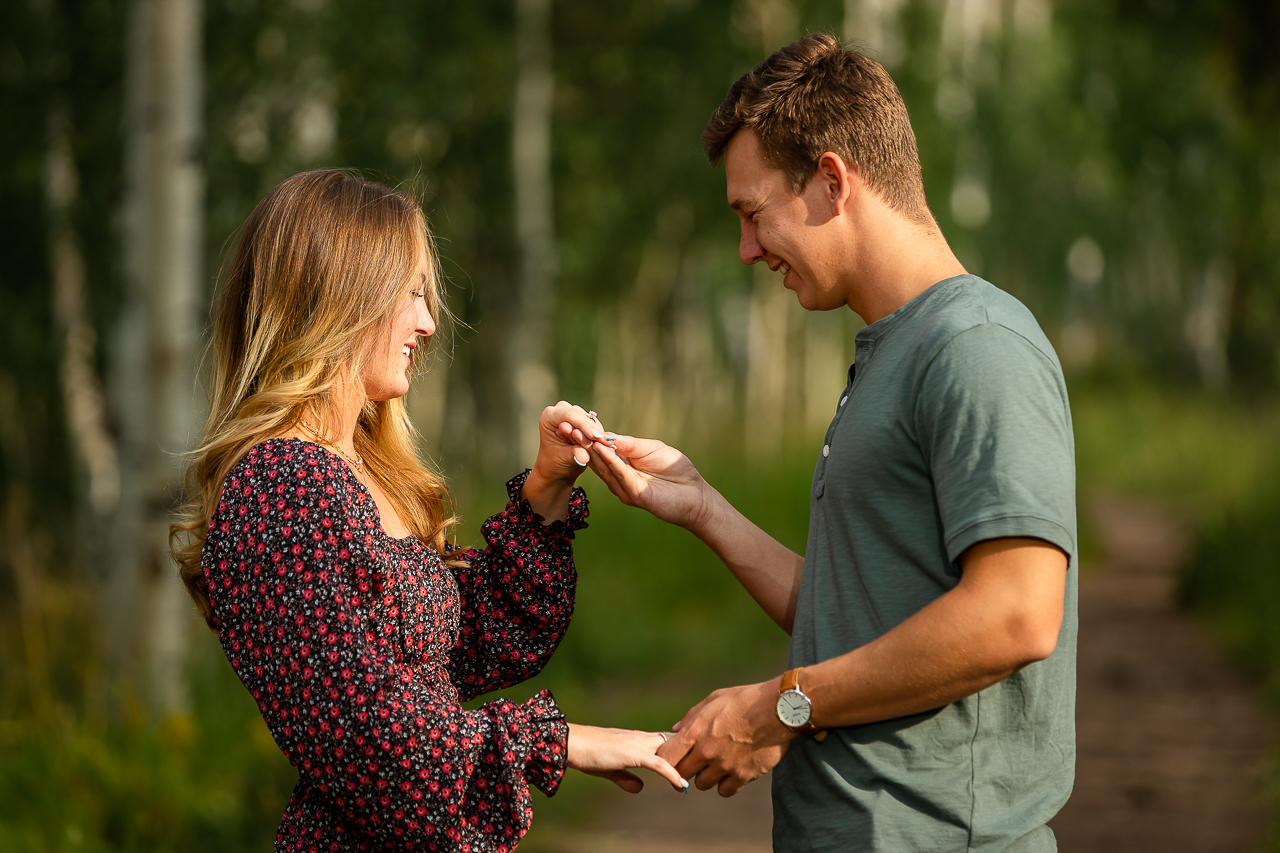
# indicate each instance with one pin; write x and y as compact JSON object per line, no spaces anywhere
{"x":1115,"y":165}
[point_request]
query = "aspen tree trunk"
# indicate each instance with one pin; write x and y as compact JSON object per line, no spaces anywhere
{"x":129,"y":366}
{"x":767,"y":364}
{"x":527,"y":356}
{"x":176,"y":201}
{"x":156,"y":382}
{"x":81,"y":390}
{"x":873,"y":25}
{"x":95,"y":450}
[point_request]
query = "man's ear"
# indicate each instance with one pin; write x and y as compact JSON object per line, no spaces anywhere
{"x":839,"y":181}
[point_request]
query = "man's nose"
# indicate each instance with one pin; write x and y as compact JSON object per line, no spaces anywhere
{"x":749,"y":248}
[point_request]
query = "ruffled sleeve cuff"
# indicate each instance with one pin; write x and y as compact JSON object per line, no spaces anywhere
{"x":549,"y":743}
{"x":522,"y":513}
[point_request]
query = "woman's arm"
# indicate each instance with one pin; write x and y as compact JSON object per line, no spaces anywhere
{"x":517,"y":595}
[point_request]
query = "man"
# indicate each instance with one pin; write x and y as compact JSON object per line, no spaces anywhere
{"x":930,"y":698}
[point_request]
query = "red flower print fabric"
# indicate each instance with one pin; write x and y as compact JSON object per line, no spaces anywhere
{"x":359,"y":649}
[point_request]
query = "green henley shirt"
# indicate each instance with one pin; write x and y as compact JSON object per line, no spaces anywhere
{"x":954,"y":429}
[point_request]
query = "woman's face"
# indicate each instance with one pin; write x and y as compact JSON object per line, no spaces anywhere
{"x":383,"y":375}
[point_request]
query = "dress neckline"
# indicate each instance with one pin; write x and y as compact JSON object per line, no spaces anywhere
{"x":349,"y":475}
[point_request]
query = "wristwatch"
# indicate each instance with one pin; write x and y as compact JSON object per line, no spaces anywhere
{"x":795,"y":709}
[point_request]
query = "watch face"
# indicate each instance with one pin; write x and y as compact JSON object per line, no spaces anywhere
{"x":793,"y":709}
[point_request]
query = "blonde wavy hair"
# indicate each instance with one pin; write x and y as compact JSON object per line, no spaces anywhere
{"x":323,"y":265}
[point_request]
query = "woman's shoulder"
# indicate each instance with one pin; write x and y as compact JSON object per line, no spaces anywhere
{"x":289,"y":470}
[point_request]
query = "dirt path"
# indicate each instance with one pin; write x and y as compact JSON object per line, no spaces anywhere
{"x":1172,"y":746}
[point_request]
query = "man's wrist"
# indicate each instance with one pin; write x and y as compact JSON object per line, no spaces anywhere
{"x":774,"y":729}
{"x":711,"y":511}
{"x":794,"y":708}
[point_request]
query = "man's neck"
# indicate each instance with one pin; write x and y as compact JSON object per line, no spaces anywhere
{"x":900,"y":259}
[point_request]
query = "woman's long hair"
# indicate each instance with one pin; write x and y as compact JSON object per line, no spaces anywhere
{"x":323,"y":265}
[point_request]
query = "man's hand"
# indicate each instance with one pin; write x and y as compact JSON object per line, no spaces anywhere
{"x":654,"y":476}
{"x":648,"y":474}
{"x":729,"y":739}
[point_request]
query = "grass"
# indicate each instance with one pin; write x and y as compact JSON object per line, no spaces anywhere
{"x":213,"y":783}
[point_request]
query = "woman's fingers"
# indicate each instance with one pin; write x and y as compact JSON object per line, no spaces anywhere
{"x":627,"y":781}
{"x":666,"y":771}
{"x":609,"y":753}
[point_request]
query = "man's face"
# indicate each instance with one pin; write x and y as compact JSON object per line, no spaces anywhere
{"x":792,"y":234}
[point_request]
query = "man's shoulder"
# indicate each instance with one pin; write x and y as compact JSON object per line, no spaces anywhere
{"x":967,"y":303}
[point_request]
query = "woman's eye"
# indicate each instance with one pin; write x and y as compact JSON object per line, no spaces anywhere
{"x":417,"y":294}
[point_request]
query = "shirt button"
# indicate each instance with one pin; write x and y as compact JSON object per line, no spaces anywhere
{"x":826,"y":450}
{"x":843,"y":399}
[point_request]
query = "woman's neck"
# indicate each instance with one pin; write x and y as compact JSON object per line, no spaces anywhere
{"x":335,"y":425}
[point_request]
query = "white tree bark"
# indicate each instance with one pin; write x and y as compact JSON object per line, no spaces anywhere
{"x":768,"y":364}
{"x":81,"y":390}
{"x":873,"y":25}
{"x":528,"y":367}
{"x":159,"y":330}
{"x":128,"y":386}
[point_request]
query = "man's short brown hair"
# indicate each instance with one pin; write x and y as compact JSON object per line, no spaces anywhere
{"x":813,"y":96}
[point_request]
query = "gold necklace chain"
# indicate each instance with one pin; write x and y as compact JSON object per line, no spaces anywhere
{"x":358,"y":462}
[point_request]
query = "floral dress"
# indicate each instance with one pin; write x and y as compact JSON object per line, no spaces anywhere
{"x":359,"y":647}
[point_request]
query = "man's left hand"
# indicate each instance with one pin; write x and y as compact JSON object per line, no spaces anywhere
{"x":729,"y":739}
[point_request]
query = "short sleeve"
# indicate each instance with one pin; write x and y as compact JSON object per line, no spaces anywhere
{"x":995,"y":429}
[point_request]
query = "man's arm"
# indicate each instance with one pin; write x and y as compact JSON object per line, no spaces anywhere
{"x":1004,"y":613}
{"x":654,"y":476}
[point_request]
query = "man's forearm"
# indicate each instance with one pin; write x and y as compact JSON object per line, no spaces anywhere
{"x":769,"y":571}
{"x":1005,"y":614}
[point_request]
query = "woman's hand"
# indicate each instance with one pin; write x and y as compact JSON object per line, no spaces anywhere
{"x":565,"y":431}
{"x":608,"y":752}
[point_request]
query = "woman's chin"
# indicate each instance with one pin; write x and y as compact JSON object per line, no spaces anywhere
{"x":388,"y":391}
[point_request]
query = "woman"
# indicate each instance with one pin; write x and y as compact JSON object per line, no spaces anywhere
{"x":315,"y":545}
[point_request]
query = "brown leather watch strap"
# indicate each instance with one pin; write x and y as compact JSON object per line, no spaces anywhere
{"x":791,"y":681}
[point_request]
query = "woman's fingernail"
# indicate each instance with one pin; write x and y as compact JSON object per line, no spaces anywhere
{"x":580,"y":464}
{"x":610,"y":438}
{"x":595,"y":435}
{"x":685,"y":783}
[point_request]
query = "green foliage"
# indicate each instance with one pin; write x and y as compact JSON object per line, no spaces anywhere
{"x":214,"y":783}
{"x":1233,"y":585}
{"x":1233,"y":581}
{"x":1200,"y":452}
{"x":1149,"y":128}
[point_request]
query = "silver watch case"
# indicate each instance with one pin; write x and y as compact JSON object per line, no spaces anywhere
{"x":794,"y":709}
